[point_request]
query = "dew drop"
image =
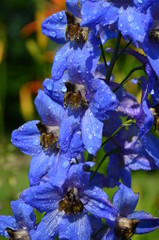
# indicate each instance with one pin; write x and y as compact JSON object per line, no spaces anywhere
{"x":60,"y":15}
{"x":53,"y":34}
{"x":90,"y":136}
{"x":130,"y":18}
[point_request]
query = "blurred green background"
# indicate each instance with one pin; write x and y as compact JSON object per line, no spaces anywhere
{"x":25,"y":61}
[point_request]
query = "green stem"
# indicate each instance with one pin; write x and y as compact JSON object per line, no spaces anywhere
{"x":126,"y":79}
{"x":130,"y":121}
{"x":114,"y":58}
{"x":103,"y":159}
{"x":124,"y":48}
{"x":103,"y":55}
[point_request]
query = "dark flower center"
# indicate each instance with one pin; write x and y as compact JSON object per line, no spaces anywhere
{"x":75,"y":96}
{"x":48,"y":136}
{"x":155,"y":111}
{"x":74,"y":32}
{"x":20,"y":234}
{"x":125,"y":227}
{"x":71,"y":202}
{"x":154,"y":32}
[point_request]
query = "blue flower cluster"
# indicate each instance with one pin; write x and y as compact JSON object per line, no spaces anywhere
{"x":84,"y":108}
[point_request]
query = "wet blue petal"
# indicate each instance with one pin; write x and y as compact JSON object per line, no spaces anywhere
{"x":55,"y":89}
{"x":152,"y":51}
{"x":73,"y":7}
{"x":99,"y":12}
{"x":48,"y":227}
{"x":103,"y":99}
{"x":91,"y":132}
{"x":98,"y":204}
{"x":151,"y":144}
{"x":82,"y":60}
{"x":75,"y":227}
{"x":125,"y":200}
{"x":76,"y":145}
{"x":143,"y":5}
{"x":24,"y":214}
{"x":147,"y":223}
{"x":27,"y":138}
{"x":78,"y":177}
{"x":54,"y":27}
{"x":60,"y":61}
{"x":134,"y":23}
{"x":60,"y":168}
{"x":7,"y":222}
{"x":50,"y":111}
{"x":44,"y":197}
{"x":135,"y":156}
{"x":39,"y":166}
{"x":69,"y":124}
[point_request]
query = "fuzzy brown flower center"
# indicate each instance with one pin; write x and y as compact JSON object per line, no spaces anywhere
{"x":74,"y":32}
{"x":71,"y":202}
{"x":48,"y":136}
{"x":18,"y":234}
{"x":125,"y":228}
{"x":74,"y":96}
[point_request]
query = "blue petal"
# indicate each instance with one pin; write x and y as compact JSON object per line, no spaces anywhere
{"x":136,"y":158}
{"x":27,"y":138}
{"x":110,"y":235}
{"x":39,"y":166}
{"x":44,"y":197}
{"x":59,"y":171}
{"x":60,"y":61}
{"x":98,"y":204}
{"x":54,"y":27}
{"x":96,"y":224}
{"x":56,"y":89}
{"x":50,"y":111}
{"x":24,"y":214}
{"x":76,"y":145}
{"x":151,"y":144}
{"x":103,"y":99}
{"x":152,"y":51}
{"x":147,"y":223}
{"x":91,"y":132}
{"x":48,"y":227}
{"x":125,"y":200}
{"x":7,"y":222}
{"x":113,"y":170}
{"x":69,"y":124}
{"x":144,"y":4}
{"x":126,"y":176}
{"x":75,"y":227}
{"x":134,"y":23}
{"x":148,"y":120}
{"x":78,"y":177}
{"x":73,"y":7}
{"x":87,"y":60}
{"x":100,"y":12}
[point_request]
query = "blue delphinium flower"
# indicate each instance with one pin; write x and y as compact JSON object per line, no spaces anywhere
{"x":64,"y":27}
{"x":131,"y":155}
{"x":150,"y":45}
{"x":128,"y":221}
{"x":21,"y":225}
{"x":87,"y":100}
{"x":40,"y":139}
{"x":67,"y":205}
{"x":132,"y":18}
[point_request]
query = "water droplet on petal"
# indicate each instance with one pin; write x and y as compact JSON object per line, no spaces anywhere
{"x":53,"y":34}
